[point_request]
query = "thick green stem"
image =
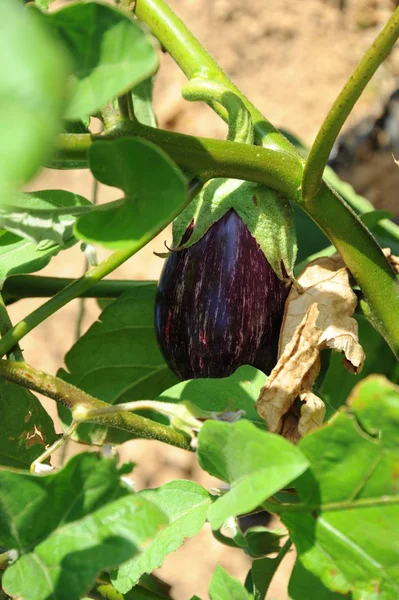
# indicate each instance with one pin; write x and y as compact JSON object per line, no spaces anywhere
{"x":35,"y":286}
{"x":322,"y":146}
{"x":195,"y":61}
{"x":204,"y":158}
{"x":72,"y":397}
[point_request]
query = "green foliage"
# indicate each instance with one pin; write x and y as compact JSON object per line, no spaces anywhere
{"x":256,"y":465}
{"x":43,"y":215}
{"x":32,"y":91}
{"x":26,"y":428}
{"x":224,"y":587}
{"x":350,"y":492}
{"x":110,"y":54}
{"x":185,"y":504}
{"x":240,"y":391}
{"x":97,"y":524}
{"x":149,"y":204}
{"x":117,"y":360}
{"x":19,"y":256}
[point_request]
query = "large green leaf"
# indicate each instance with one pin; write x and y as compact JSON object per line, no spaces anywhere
{"x":339,"y":382}
{"x":224,"y":587}
{"x":69,"y":526}
{"x":256,"y":464}
{"x":344,"y":531}
{"x":150,"y":202}
{"x":43,"y":215}
{"x":110,"y":54}
{"x":33,"y":72}
{"x":26,"y":428}
{"x":118,"y":360}
{"x":239,"y":391}
{"x":304,"y":585}
{"x":185,"y":503}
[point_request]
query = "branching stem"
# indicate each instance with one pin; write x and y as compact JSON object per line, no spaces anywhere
{"x":72,"y":397}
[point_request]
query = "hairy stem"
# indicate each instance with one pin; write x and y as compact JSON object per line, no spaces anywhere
{"x":73,"y":398}
{"x":322,"y":146}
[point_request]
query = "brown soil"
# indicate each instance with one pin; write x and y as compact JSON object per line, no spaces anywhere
{"x":291,"y":59}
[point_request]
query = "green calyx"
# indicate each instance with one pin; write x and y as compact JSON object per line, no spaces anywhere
{"x":268,"y":216}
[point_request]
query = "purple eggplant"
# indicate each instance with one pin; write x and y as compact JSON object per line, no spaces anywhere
{"x":219,"y":304}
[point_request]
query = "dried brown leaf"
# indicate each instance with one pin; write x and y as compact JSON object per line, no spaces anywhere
{"x":297,"y":367}
{"x":318,"y":315}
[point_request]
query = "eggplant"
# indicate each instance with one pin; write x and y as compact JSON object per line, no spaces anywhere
{"x":219,"y":304}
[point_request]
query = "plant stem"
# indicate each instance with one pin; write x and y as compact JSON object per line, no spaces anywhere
{"x":322,"y":146}
{"x":72,"y":397}
{"x":195,"y":61}
{"x":36,"y":286}
{"x":204,"y":158}
{"x":5,"y":326}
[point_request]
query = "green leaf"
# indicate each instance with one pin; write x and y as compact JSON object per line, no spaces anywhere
{"x":43,"y":215}
{"x":261,"y":575}
{"x":185,"y":503}
{"x":256,"y":464}
{"x":69,"y":526}
{"x":262,"y":540}
{"x":26,"y":428}
{"x":118,"y":360}
{"x":150,"y":203}
{"x":224,"y":587}
{"x":345,"y":536}
{"x":142,"y":102}
{"x":111,"y":54}
{"x":43,"y":4}
{"x":239,"y":391}
{"x":18,"y":256}
{"x":303,"y":586}
{"x":32,"y":91}
{"x":268,"y":216}
{"x":339,"y":382}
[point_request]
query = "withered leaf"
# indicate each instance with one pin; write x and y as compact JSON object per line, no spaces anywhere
{"x":318,"y":315}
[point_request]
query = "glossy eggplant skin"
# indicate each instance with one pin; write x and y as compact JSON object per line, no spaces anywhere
{"x":219,"y":304}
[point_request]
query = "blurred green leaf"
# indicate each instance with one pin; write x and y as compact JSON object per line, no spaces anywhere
{"x":239,"y":391}
{"x":185,"y":503}
{"x":69,"y":526}
{"x":26,"y":428}
{"x":261,"y":540}
{"x":350,"y":494}
{"x":110,"y":54}
{"x":150,"y":203}
{"x":32,"y":91}
{"x":118,"y":360}
{"x":224,"y":587}
{"x":43,"y":215}
{"x":256,"y":464}
{"x":304,"y":585}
